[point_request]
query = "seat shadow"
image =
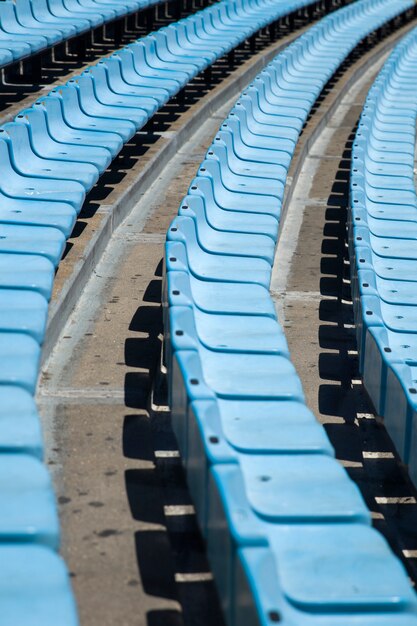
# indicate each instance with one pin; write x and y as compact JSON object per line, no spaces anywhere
{"x":170,"y":550}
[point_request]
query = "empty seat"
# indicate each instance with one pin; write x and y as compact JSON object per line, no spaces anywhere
{"x":34,"y":587}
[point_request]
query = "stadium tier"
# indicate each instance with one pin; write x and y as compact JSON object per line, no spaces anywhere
{"x":382,"y":232}
{"x":289,"y":537}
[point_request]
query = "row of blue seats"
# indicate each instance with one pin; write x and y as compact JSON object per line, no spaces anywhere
{"x":51,"y":156}
{"x":288,"y":535}
{"x":53,"y":153}
{"x":31,"y":26}
{"x":382,"y":235}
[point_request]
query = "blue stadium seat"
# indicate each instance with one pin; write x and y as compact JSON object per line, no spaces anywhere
{"x":34,"y":587}
{"x":30,"y":211}
{"x":42,"y":13}
{"x":23,"y":311}
{"x":19,"y":359}
{"x":307,"y":499}
{"x":27,"y":503}
{"x":39,"y":240}
{"x":20,"y":430}
{"x":28,"y":163}
{"x":62,"y":126}
{"x":210,"y":239}
{"x":46,"y":147}
{"x":263,"y":599}
{"x":18,"y":185}
{"x":27,"y":271}
{"x":219,"y":432}
{"x":32,"y":16}
{"x":10,"y":24}
{"x":181,"y":288}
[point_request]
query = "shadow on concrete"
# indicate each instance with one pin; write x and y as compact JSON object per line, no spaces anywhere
{"x":170,"y":550}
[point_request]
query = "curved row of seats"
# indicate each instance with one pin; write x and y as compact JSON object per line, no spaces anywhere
{"x":382,"y":237}
{"x":51,"y":156}
{"x":288,"y":535}
{"x":53,"y":153}
{"x":28,"y":27}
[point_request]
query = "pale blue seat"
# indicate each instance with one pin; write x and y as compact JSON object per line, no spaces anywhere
{"x":241,"y":185}
{"x":10,"y":24}
{"x":170,"y":38}
{"x":222,"y":150}
{"x":41,"y":12}
{"x":233,"y":217}
{"x":77,"y":118}
{"x":45,"y":146}
{"x":145,"y":58}
{"x":214,"y":238}
{"x":19,"y":359}
{"x":135,"y":103}
{"x":236,"y":211}
{"x":112,"y":112}
{"x":266,"y":136}
{"x":187,"y":255}
{"x":26,"y":17}
{"x":183,"y":289}
{"x":106,"y":13}
{"x":26,"y":187}
{"x":152,"y":98}
{"x":27,"y":271}
{"x":34,"y":587}
{"x":136,"y":73}
{"x":309,"y":497}
{"x":65,"y":127}
{"x":383,"y":350}
{"x":218,"y":432}
{"x":35,"y":212}
{"x":159,"y":42}
{"x":201,"y":374}
{"x":23,"y":311}
{"x":22,"y":45}
{"x":239,"y":333}
{"x":247,"y":145}
{"x":27,"y":505}
{"x":26,"y":162}
{"x":187,"y":40}
{"x":262,"y":597}
{"x":6,"y":56}
{"x":39,"y":240}
{"x":265,"y":113}
{"x":20,"y":429}
{"x":59,"y":8}
{"x":279,"y":125}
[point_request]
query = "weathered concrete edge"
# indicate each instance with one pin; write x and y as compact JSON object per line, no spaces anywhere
{"x":318,"y":129}
{"x":119,"y":210}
